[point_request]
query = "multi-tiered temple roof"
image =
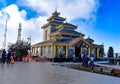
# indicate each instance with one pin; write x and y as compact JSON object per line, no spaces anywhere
{"x":63,"y":32}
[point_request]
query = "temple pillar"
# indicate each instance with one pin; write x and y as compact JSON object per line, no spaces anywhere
{"x":97,"y":52}
{"x":54,"y":51}
{"x":89,"y":51}
{"x":66,"y":51}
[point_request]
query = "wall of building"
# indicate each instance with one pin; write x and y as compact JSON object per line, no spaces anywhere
{"x":48,"y":51}
{"x":48,"y":32}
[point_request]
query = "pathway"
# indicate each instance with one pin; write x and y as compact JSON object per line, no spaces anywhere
{"x":46,"y":73}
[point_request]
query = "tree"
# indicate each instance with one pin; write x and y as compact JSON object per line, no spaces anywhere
{"x":110,"y":55}
{"x":20,"y":48}
{"x":110,"y":52}
{"x":101,"y":51}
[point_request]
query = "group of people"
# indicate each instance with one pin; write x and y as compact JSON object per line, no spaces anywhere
{"x":7,"y":56}
{"x":88,"y":61}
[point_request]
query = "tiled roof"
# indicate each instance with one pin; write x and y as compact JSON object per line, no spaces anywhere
{"x":57,"y":35}
{"x":65,"y":30}
{"x":54,"y":21}
{"x":96,"y":45}
{"x":51,"y":22}
{"x":68,"y":24}
{"x":56,"y":18}
{"x":43,"y":42}
{"x":66,"y":40}
{"x":60,"y":18}
{"x":89,"y":39}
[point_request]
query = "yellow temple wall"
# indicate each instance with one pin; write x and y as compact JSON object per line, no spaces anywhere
{"x":54,"y":50}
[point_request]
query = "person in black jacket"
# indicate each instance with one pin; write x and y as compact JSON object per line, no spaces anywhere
{"x":3,"y":56}
{"x":8,"y":56}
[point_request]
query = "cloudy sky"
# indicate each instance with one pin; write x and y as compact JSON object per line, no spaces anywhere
{"x":98,"y":19}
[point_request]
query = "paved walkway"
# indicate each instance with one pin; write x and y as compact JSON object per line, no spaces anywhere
{"x":46,"y":73}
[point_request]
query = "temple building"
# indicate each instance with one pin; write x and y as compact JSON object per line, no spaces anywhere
{"x":60,"y":36}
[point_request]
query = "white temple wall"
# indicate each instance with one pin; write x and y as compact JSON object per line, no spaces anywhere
{"x":48,"y":32}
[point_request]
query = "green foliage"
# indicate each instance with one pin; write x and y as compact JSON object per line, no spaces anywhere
{"x":110,"y":52}
{"x":20,"y":48}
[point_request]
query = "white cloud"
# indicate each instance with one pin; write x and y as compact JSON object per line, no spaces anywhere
{"x":29,"y":27}
{"x":71,"y":9}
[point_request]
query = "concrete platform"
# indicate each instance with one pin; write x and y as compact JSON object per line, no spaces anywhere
{"x":46,"y":73}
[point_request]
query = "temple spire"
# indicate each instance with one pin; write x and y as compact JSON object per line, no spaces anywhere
{"x":55,"y":13}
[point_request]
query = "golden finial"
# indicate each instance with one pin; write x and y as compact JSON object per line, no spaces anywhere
{"x":55,"y":13}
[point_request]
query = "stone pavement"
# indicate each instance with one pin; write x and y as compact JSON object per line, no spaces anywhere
{"x":46,"y":73}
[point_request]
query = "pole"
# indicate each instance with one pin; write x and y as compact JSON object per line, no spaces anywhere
{"x":4,"y":43}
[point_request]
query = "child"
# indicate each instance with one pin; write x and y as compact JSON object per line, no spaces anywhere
{"x":12,"y":60}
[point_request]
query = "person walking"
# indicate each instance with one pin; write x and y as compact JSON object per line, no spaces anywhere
{"x":83,"y":59}
{"x":9,"y":56}
{"x":3,"y":56}
{"x":86,"y":59}
{"x":92,"y":62}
